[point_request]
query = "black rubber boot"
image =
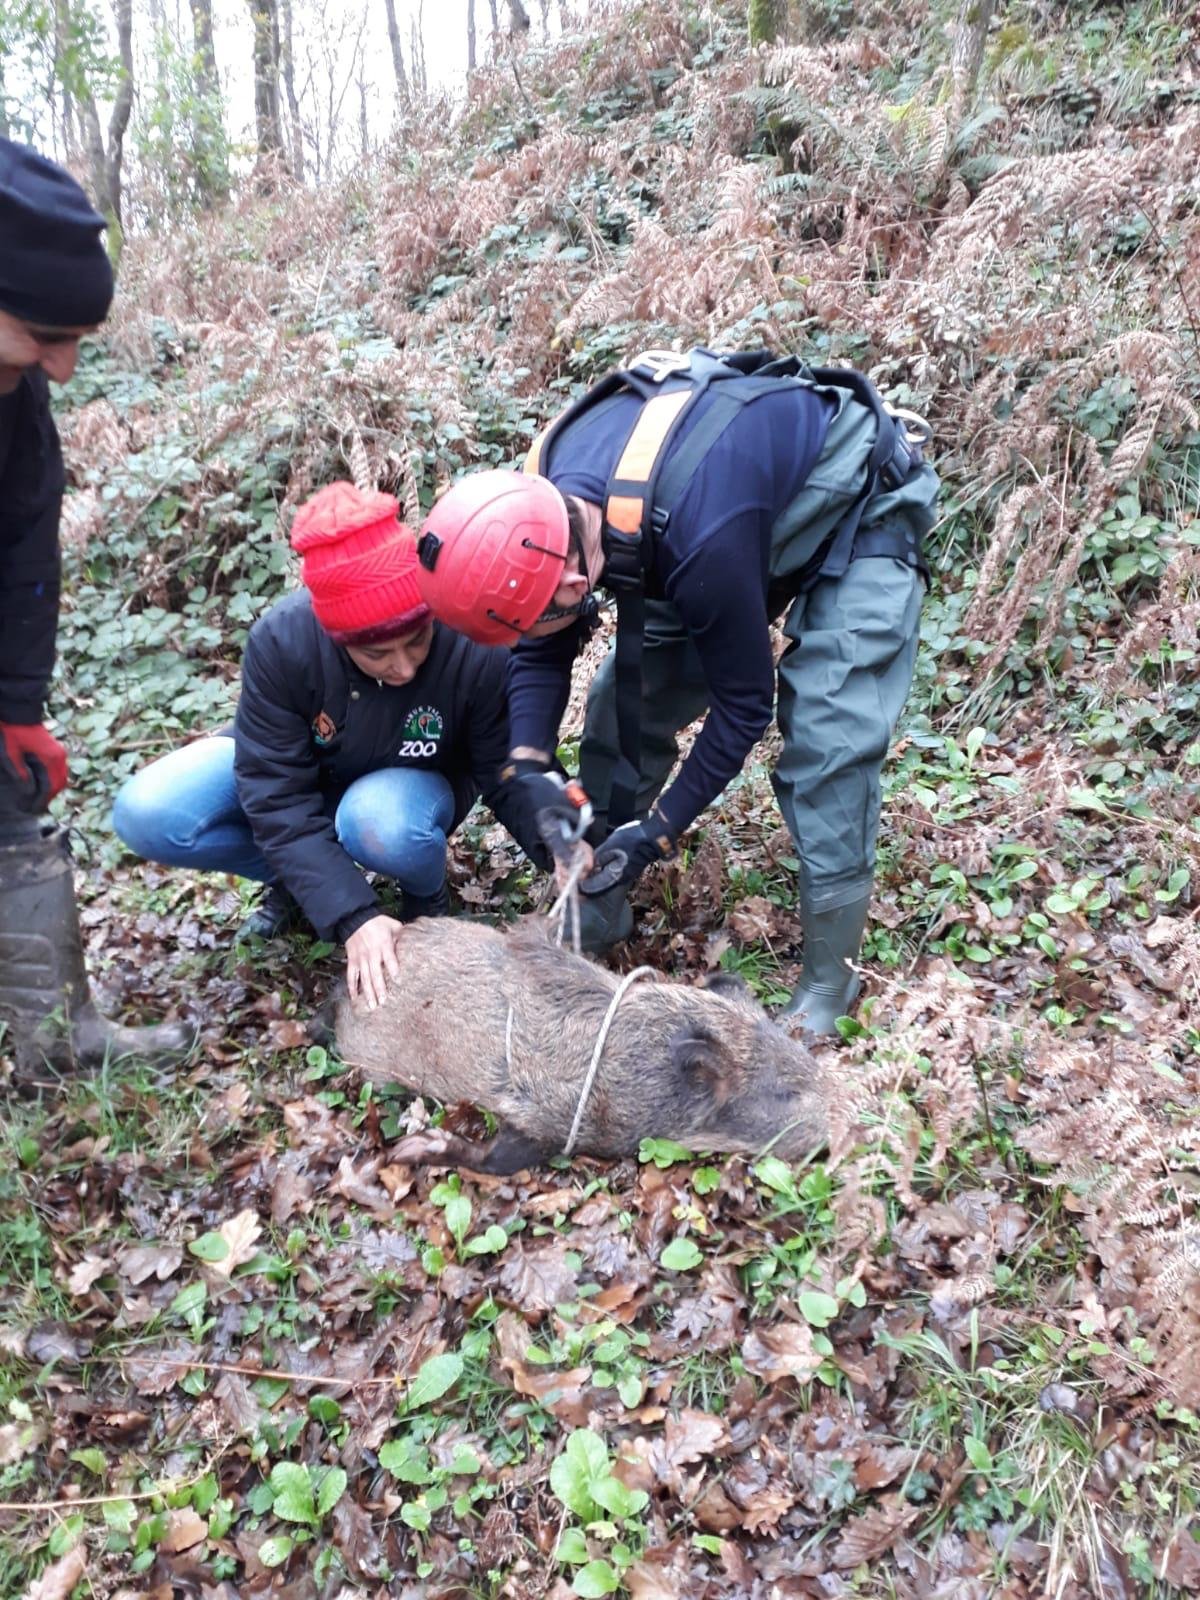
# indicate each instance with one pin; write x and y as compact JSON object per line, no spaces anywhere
{"x":275,"y":914}
{"x":605,"y":920}
{"x":413,"y":906}
{"x":44,"y":996}
{"x":828,"y":986}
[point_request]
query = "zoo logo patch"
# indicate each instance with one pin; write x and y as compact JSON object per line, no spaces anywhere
{"x":422,"y":732}
{"x":324,"y":729}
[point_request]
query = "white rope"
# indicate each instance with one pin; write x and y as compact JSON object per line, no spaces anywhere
{"x":625,"y":984}
{"x":567,"y":904}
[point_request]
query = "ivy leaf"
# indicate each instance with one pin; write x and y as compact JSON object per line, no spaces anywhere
{"x":210,"y":1247}
{"x":776,"y":1175}
{"x":978,"y":1453}
{"x":274,"y":1552}
{"x":572,"y":1548}
{"x":597,"y":1578}
{"x":66,"y":1536}
{"x":458,"y":1216}
{"x":817,"y":1309}
{"x":92,"y":1459}
{"x":580,"y":1465}
{"x":487,"y":1244}
{"x":292,"y":1489}
{"x":332,"y":1488}
{"x":407,"y":1462}
{"x":663,"y":1152}
{"x":680,"y":1255}
{"x":616,"y":1499}
{"x":436,"y":1376}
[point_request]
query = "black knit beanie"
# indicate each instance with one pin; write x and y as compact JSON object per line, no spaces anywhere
{"x":54,"y":269}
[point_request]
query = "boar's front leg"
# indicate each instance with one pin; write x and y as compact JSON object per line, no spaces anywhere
{"x":510,"y":1151}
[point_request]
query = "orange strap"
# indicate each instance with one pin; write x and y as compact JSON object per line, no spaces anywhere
{"x":624,"y":511}
{"x":636,"y":466}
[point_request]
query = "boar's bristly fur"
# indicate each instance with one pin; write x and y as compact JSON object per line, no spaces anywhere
{"x":509,"y":1021}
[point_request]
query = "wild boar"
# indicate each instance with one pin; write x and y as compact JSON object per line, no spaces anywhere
{"x":510,"y":1020}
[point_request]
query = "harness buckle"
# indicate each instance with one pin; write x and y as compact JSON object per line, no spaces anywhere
{"x":912,"y":422}
{"x":623,"y":564}
{"x":658,"y":365}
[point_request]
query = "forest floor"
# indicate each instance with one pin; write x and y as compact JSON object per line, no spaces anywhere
{"x":244,"y":1352}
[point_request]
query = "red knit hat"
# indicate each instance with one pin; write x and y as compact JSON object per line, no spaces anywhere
{"x":360,"y":565}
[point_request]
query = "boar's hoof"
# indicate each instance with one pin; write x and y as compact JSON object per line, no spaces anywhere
{"x":510,"y":1151}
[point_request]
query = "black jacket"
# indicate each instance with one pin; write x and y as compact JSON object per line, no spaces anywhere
{"x":309,"y":724}
{"x":31,"y":489}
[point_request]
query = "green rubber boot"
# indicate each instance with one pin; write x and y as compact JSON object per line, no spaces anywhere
{"x":828,"y":985}
{"x":45,"y":1000}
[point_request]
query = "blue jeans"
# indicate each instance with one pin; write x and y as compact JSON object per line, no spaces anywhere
{"x":183,"y":811}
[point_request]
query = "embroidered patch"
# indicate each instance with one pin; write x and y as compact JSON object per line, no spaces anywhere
{"x":422,"y":732}
{"x":324,"y":728}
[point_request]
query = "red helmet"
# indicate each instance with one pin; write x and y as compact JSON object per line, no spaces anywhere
{"x":492,"y":554}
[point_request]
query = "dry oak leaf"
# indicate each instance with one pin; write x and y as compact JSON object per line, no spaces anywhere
{"x":647,"y":1580}
{"x":784,"y":1351}
{"x":142,"y":1261}
{"x":873,"y":1533}
{"x":240,"y":1233}
{"x":687,"y":1438}
{"x":184,"y":1529}
{"x":84,"y":1273}
{"x":238,"y":1403}
{"x":562,"y":1393}
{"x":538,"y":1280}
{"x":288,"y":1034}
{"x":59,"y":1578}
{"x":1180,"y":1562}
{"x":17,"y":1439}
{"x":755,"y":920}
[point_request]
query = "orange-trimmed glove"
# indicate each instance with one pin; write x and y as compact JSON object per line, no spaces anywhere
{"x":33,"y":758}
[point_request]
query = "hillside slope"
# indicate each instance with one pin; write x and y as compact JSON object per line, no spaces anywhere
{"x":959,"y":1358}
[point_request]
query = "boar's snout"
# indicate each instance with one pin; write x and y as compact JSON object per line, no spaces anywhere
{"x":748,"y":1087}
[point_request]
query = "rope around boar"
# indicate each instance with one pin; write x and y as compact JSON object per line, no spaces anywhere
{"x":567,"y":905}
{"x":623,"y":987}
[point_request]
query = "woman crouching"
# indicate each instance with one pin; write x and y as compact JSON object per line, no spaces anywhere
{"x":364,"y":734}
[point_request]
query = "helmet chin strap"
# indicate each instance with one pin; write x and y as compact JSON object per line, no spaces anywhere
{"x":586,"y":608}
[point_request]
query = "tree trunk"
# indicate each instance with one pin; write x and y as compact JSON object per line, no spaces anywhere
{"x":288,"y":67}
{"x":470,"y":35}
{"x":765,"y":19}
{"x":417,"y":50}
{"x":208,"y":126}
{"x":62,"y":43}
{"x":970,"y":40}
{"x":519,"y":15}
{"x":106,"y":164}
{"x":495,"y":20}
{"x":265,"y":17}
{"x":397,"y":53}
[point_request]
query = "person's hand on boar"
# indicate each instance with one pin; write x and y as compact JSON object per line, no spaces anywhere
{"x":628,"y":851}
{"x":371,"y":959}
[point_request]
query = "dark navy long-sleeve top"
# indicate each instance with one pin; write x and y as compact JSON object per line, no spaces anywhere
{"x":712,"y":564}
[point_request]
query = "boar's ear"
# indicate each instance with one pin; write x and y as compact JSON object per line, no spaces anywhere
{"x":734,"y":988}
{"x":703,"y":1062}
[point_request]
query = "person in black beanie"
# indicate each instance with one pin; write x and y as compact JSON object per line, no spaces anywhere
{"x":56,"y":286}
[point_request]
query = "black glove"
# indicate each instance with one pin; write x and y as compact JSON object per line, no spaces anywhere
{"x":628,"y":851}
{"x":560,"y":807}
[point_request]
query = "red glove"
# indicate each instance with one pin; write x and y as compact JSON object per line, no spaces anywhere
{"x":31,"y":755}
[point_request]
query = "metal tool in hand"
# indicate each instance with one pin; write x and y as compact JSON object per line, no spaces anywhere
{"x":562,"y":830}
